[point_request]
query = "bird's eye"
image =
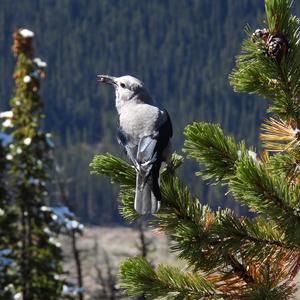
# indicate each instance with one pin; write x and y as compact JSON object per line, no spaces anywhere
{"x":122,"y":85}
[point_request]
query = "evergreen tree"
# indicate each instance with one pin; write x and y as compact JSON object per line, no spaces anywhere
{"x":69,"y":226}
{"x":232,"y":257}
{"x":38,"y":257}
{"x":8,"y":238}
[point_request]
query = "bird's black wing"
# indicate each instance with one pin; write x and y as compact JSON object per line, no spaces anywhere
{"x":150,"y":154}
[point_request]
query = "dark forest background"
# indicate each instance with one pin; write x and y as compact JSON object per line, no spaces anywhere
{"x":183,"y":50}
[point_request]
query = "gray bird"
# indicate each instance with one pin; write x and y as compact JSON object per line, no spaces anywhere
{"x":144,"y":132}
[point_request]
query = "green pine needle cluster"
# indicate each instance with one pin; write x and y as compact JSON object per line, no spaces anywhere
{"x":207,"y":144}
{"x":278,"y":81}
{"x":211,"y":242}
{"x":164,"y":281}
{"x":267,"y":194}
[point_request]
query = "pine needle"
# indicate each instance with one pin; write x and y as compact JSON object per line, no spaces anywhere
{"x":278,"y":136}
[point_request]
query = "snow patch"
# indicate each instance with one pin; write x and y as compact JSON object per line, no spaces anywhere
{"x":27,"y":79}
{"x":63,"y":217}
{"x":7,"y":123}
{"x":73,"y":224}
{"x":251,"y":154}
{"x":54,"y":242}
{"x":27,"y":141}
{"x":6,"y":114}
{"x":45,"y":208}
{"x":26,"y":33}
{"x":49,"y":140}
{"x":68,"y":290}
{"x":33,"y":181}
{"x":9,"y":157}
{"x":18,"y":296}
{"x":40,"y":63}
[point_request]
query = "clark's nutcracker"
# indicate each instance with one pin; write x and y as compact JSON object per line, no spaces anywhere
{"x":144,"y":132}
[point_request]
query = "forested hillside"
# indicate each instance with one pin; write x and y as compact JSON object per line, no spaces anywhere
{"x":183,"y":50}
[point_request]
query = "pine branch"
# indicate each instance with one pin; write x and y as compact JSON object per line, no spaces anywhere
{"x":278,"y":14}
{"x":124,"y":174}
{"x":264,"y":193}
{"x":201,"y":237}
{"x":275,"y":78}
{"x":219,"y":243}
{"x":269,"y":280}
{"x":138,"y":278}
{"x":117,"y":169}
{"x":205,"y":240}
{"x":286,"y":165}
{"x":252,"y":237}
{"x":207,"y":144}
{"x":277,"y":135}
{"x":270,"y":195}
{"x":273,"y":277}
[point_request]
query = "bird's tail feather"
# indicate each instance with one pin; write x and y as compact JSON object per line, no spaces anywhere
{"x":147,"y":195}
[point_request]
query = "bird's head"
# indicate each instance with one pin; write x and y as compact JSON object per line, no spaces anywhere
{"x":128,"y":89}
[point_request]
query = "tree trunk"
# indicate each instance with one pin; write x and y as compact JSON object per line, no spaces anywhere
{"x":78,"y":264}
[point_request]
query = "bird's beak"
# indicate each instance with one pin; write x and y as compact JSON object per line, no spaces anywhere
{"x":106,"y":79}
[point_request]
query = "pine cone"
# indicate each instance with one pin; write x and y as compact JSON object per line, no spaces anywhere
{"x":277,"y":46}
{"x":260,"y":34}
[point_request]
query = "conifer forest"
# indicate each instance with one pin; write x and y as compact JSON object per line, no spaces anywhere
{"x":226,"y":227}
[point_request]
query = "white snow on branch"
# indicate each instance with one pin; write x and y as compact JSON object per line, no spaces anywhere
{"x":63,"y":217}
{"x":7,"y":123}
{"x":27,"y":79}
{"x":62,"y":212}
{"x":73,"y":224}
{"x":9,"y":157}
{"x":47,"y":230}
{"x":9,"y":288}
{"x":49,"y":140}
{"x":26,"y":33}
{"x":72,"y":290}
{"x":18,"y":296}
{"x":54,"y":242}
{"x":27,"y":141}
{"x":45,"y":208}
{"x":40,"y":63}
{"x":58,"y":277}
{"x":239,"y":154}
{"x":251,"y":154}
{"x":34,"y":181}
{"x":6,"y":114}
